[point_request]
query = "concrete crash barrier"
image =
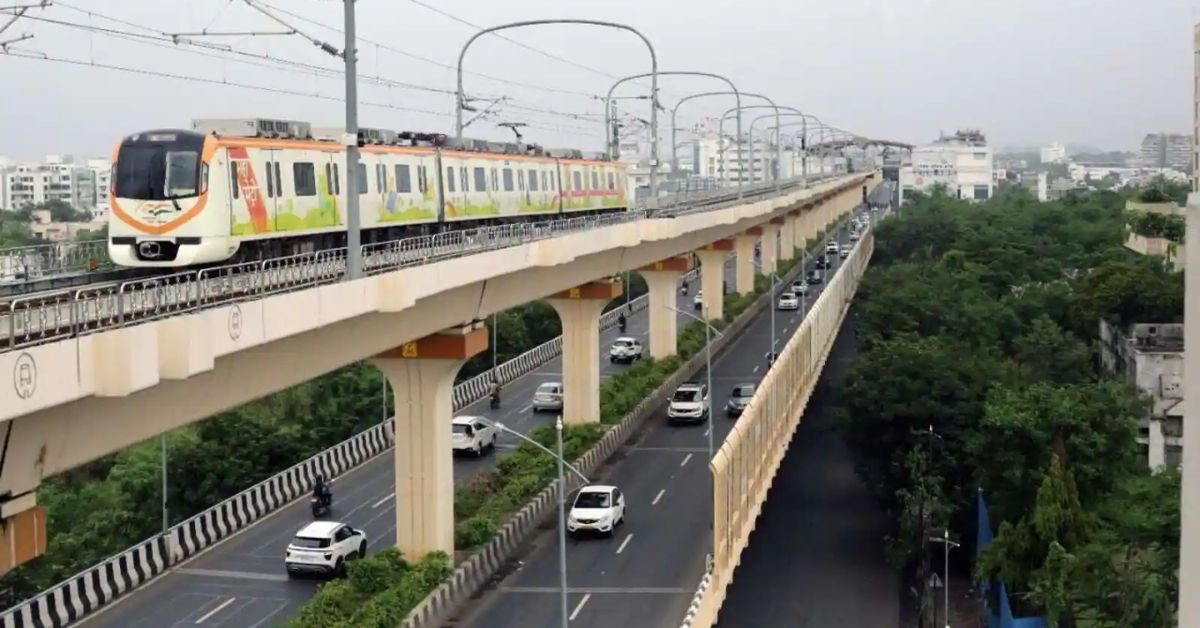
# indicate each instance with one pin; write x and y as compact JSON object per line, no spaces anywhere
{"x":475,"y":572}
{"x":90,"y":590}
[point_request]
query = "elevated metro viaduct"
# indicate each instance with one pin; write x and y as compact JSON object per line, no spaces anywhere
{"x":77,"y":399}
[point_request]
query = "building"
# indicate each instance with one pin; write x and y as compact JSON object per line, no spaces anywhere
{"x":1055,"y":153}
{"x":962,"y":163}
{"x":56,"y":178}
{"x":1036,"y":183}
{"x":1151,"y":356}
{"x":102,"y":176}
{"x":1167,"y":150}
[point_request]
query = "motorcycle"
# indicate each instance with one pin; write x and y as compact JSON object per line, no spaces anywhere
{"x":321,"y":505}
{"x":622,"y":324}
{"x":495,"y":400}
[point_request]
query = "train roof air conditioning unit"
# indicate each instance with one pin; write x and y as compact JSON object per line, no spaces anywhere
{"x":254,"y":127}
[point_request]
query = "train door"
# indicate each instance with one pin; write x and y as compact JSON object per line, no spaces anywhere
{"x":329,"y":189}
{"x":271,"y":172}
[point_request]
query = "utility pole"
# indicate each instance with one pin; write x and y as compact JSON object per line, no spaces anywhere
{"x":350,"y":138}
{"x":163,"y":452}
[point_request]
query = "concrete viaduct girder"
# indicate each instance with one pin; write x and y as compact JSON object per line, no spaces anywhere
{"x":97,"y":394}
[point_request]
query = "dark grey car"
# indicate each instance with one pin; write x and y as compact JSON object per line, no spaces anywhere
{"x":739,"y":399}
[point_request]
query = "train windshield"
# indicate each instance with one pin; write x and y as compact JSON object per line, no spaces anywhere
{"x":159,"y":167}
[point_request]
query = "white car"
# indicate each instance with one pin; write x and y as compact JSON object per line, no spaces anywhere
{"x":625,"y":349}
{"x":831,"y":247}
{"x":698,"y":300}
{"x":845,"y":251}
{"x":799,"y":287}
{"x":548,"y":396}
{"x":788,"y":301}
{"x":472,"y":435}
{"x":324,"y":547}
{"x":596,"y":509}
{"x":689,"y":403}
{"x":854,"y":235}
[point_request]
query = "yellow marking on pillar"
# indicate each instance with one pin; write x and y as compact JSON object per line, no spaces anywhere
{"x":658,"y":265}
{"x":409,"y":350}
{"x":574,"y":293}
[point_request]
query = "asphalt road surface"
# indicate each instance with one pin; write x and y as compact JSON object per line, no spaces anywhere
{"x":646,"y":574}
{"x":241,"y":583}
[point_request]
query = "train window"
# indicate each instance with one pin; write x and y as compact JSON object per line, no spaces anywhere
{"x":360,"y":181}
{"x":449,"y":179}
{"x":403,"y":179}
{"x":381,"y":178}
{"x":577,"y":180}
{"x":422,"y":182}
{"x":337,"y":179}
{"x":533,"y":182}
{"x":611,"y":182}
{"x":508,"y":182}
{"x":304,"y":179}
{"x":480,"y":180}
{"x":278,"y":181}
{"x":234,"y":188}
{"x":595,"y":180}
{"x":495,"y":181}
{"x":270,"y":182}
{"x":329,"y":179}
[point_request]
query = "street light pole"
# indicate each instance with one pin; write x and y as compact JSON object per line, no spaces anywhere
{"x":774,"y":291}
{"x":163,"y":452}
{"x":947,"y":546}
{"x":495,"y":325}
{"x":350,"y":138}
{"x":562,"y":525}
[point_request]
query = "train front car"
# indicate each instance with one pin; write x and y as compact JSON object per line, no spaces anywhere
{"x":164,"y":210}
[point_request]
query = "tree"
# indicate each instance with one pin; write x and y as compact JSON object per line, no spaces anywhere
{"x":1052,"y":355}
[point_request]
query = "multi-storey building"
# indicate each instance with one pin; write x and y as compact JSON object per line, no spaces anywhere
{"x":1055,"y":153}
{"x":961,"y":163}
{"x":1167,"y":150}
{"x":56,"y":178}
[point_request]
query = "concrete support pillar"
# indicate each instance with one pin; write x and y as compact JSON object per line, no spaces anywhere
{"x":662,"y":280}
{"x":422,"y":377}
{"x":1189,"y":537}
{"x":579,"y":311}
{"x":744,"y":264}
{"x":787,"y":238}
{"x":712,"y":276}
{"x":770,"y":245}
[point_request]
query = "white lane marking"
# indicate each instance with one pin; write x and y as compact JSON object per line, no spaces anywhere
{"x":685,"y":459}
{"x":755,"y":369}
{"x":707,"y":430}
{"x":527,"y":408}
{"x":215,"y":610}
{"x":624,"y":543}
{"x":579,"y":606}
{"x":658,"y":497}
{"x":384,"y":500}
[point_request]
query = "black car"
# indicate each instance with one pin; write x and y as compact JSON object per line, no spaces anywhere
{"x":815,"y":277}
{"x":739,"y":399}
{"x":822,"y":263}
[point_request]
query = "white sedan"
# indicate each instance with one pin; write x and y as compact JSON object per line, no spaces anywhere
{"x":472,"y":435}
{"x":788,"y":301}
{"x":845,"y":251}
{"x":596,"y":509}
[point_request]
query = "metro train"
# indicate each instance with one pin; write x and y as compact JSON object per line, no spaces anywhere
{"x":249,"y":189}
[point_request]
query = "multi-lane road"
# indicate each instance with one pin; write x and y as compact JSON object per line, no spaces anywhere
{"x":646,"y":574}
{"x":241,"y":583}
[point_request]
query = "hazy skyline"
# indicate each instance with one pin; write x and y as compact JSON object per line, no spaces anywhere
{"x":1026,"y":72}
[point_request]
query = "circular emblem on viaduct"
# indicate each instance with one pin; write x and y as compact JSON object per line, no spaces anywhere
{"x":25,"y":376}
{"x":235,"y":322}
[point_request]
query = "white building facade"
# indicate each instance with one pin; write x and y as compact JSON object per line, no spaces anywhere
{"x":962,"y":163}
{"x":1055,"y":153}
{"x":56,"y":178}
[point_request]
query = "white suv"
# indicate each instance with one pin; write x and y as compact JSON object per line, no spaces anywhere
{"x":596,"y":509}
{"x":625,"y":349}
{"x":472,"y":434}
{"x":324,"y":547}
{"x":831,"y":247}
{"x":689,"y":403}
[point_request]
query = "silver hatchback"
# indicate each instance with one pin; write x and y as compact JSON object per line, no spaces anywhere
{"x":548,"y":397}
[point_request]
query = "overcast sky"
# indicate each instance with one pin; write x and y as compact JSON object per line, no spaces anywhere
{"x":1026,"y":72}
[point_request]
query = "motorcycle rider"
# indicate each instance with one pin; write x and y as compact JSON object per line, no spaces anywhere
{"x":621,"y":322}
{"x":322,"y":492}
{"x":494,"y":392}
